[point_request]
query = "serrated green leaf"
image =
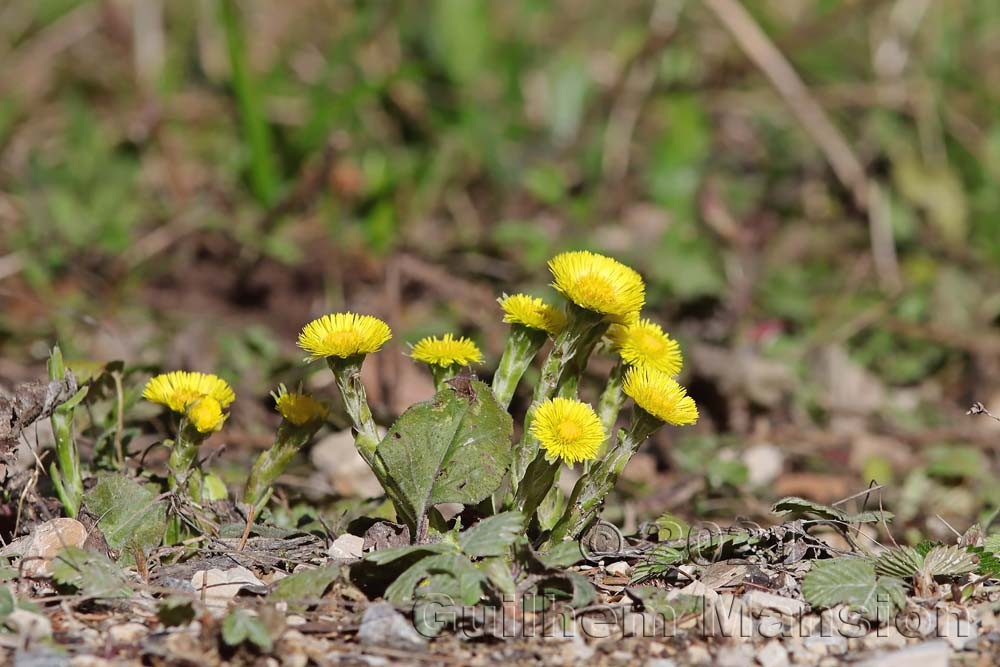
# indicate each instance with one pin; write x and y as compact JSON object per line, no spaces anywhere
{"x":384,"y":556}
{"x":239,"y":626}
{"x":853,"y":581}
{"x":992,"y":543}
{"x":660,"y":562}
{"x":454,"y":448}
{"x":989,"y":563}
{"x":796,"y":506}
{"x":89,"y":572}
{"x":950,"y":561}
{"x":665,"y":602}
{"x":457,"y":566}
{"x":902,"y":563}
{"x":127,"y":512}
{"x":498,"y":571}
{"x":562,"y":555}
{"x":304,"y":585}
{"x":492,"y":536}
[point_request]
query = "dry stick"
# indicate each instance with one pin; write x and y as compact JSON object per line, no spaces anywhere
{"x":845,"y":164}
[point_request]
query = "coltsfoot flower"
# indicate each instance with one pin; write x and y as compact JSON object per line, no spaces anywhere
{"x":532,"y":312}
{"x":660,"y":395}
{"x":598,"y":283}
{"x":567,"y":429}
{"x":343,"y":335}
{"x":206,"y":415}
{"x":299,"y":409}
{"x":178,"y":390}
{"x":446,"y":351}
{"x":644,"y":343}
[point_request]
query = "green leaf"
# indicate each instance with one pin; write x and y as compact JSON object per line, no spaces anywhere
{"x":562,"y":555}
{"x":671,"y":527}
{"x":992,"y":543}
{"x":91,"y":573}
{"x":671,"y":606}
{"x":7,"y":602}
{"x":127,"y":512}
{"x":800,"y":507}
{"x":175,"y":611}
{"x":853,"y":581}
{"x":468,"y":577}
{"x":453,"y":449}
{"x":951,"y":561}
{"x":492,"y":536}
{"x":240,"y":626}
{"x":902,"y":563}
{"x":384,"y":556}
{"x":305,"y":585}
{"x":498,"y":571}
{"x":660,"y":562}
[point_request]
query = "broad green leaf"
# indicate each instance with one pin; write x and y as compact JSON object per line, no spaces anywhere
{"x":403,"y":589}
{"x":950,"y":561}
{"x":671,"y":527}
{"x":305,"y":585}
{"x":452,"y":449}
{"x":802,"y":507}
{"x":492,"y":536}
{"x":853,"y":581}
{"x":902,"y":563}
{"x":498,"y":571}
{"x":562,"y":555}
{"x":7,"y":602}
{"x":663,"y":601}
{"x":240,"y":626}
{"x":384,"y":556}
{"x":175,"y":611}
{"x":127,"y":512}
{"x":992,"y":543}
{"x":91,"y":573}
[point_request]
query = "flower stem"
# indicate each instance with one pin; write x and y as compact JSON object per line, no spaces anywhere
{"x":442,"y":374}
{"x":591,"y":489}
{"x":183,"y":461}
{"x":347,"y":374}
{"x":520,"y":349}
{"x":66,"y":472}
{"x":538,"y":479}
{"x":610,"y":404}
{"x":271,"y":463}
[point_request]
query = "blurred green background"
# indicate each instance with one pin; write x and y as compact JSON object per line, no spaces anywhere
{"x":186,"y":183}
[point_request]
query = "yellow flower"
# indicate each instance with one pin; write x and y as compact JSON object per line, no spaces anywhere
{"x":206,"y":415}
{"x":299,"y":409}
{"x":644,"y":343}
{"x":659,"y":394}
{"x":532,"y":312}
{"x":567,"y":429}
{"x":344,"y":335}
{"x":446,"y":351}
{"x":598,"y":283}
{"x":179,"y":389}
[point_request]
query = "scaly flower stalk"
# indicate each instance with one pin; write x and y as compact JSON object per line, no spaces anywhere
{"x":522,"y":345}
{"x":302,"y":416}
{"x":66,"y":473}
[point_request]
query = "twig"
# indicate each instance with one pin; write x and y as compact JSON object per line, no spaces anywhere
{"x":980,"y":409}
{"x":762,"y":51}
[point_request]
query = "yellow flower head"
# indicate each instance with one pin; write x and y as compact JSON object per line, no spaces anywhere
{"x":659,"y":394}
{"x":344,"y":335}
{"x":567,"y":429}
{"x":598,"y":283}
{"x":179,"y":389}
{"x":532,"y":312}
{"x":299,"y":409}
{"x":446,"y":351}
{"x":206,"y":415}
{"x":644,"y":343}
